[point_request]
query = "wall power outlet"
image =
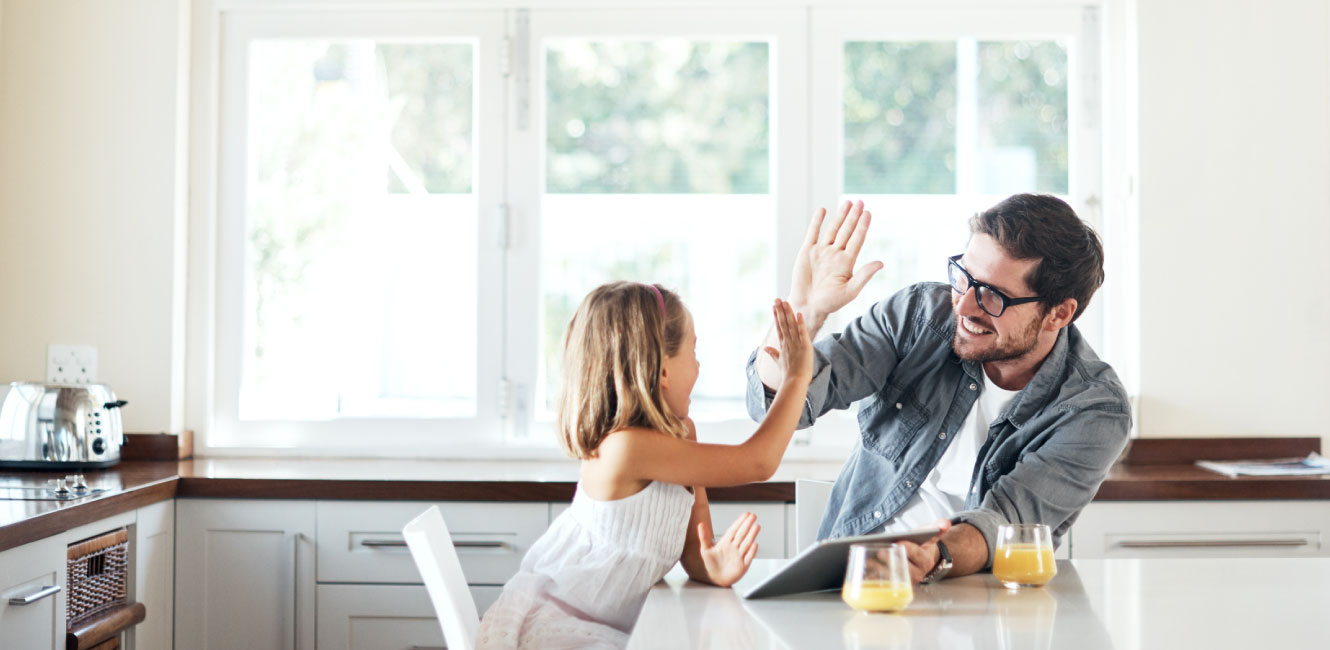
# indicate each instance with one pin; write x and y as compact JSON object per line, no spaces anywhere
{"x":71,"y":364}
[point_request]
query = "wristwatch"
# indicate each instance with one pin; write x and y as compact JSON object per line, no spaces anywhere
{"x":942,"y":568}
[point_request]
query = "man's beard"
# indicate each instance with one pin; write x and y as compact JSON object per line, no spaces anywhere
{"x":1013,"y":349}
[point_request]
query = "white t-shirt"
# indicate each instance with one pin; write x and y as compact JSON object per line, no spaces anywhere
{"x":943,"y":492}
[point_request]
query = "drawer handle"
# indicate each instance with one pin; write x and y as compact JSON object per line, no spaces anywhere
{"x":34,"y":596}
{"x":457,"y":544}
{"x":380,"y":543}
{"x":427,"y":647}
{"x":1215,"y":543}
{"x":376,"y":543}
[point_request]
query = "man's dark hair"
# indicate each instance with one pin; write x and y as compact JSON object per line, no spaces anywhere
{"x":1042,"y":227}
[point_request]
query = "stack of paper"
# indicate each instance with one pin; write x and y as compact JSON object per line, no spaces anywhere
{"x":1312,"y":464}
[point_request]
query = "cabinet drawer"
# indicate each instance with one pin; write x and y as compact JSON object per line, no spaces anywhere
{"x":361,"y":541}
{"x":30,"y":572}
{"x":1202,"y":529}
{"x":383,"y":617}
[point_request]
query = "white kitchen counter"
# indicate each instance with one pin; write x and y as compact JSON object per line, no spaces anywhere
{"x":1091,"y":604}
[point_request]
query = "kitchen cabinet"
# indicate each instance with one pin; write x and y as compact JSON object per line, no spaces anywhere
{"x":32,"y":572}
{"x":383,"y":617}
{"x":361,"y":541}
{"x":152,"y":575}
{"x":245,"y":574}
{"x":1144,"y":529}
{"x":370,"y":594}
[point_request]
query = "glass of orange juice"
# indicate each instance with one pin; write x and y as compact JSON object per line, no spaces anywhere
{"x":877,"y":578}
{"x":1024,"y":556}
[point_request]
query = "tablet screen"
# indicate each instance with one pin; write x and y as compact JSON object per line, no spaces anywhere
{"x":822,"y":565}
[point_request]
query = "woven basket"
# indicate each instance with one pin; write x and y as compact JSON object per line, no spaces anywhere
{"x":97,"y":571}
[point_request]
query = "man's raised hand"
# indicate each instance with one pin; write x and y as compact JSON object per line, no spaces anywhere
{"x":824,"y":276}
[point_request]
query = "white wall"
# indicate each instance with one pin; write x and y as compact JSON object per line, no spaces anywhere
{"x":1234,"y":185}
{"x":91,"y":200}
{"x":1234,"y":188}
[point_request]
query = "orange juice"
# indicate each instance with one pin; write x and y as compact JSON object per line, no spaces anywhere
{"x":1024,"y":564}
{"x":877,"y":595}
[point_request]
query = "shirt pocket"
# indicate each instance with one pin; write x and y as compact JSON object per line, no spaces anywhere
{"x":891,"y":421}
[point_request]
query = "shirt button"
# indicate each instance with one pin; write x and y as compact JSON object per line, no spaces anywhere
{"x":877,"y":514}
{"x":942,"y":436}
{"x":898,"y":406}
{"x":973,"y":386}
{"x":909,"y":484}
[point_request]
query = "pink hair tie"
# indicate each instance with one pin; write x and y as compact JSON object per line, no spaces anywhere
{"x":659,"y":298}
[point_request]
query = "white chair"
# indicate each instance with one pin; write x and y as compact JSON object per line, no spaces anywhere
{"x":810,"y":502}
{"x":432,"y":549}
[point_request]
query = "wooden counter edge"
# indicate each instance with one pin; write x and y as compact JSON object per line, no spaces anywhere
{"x":55,"y":522}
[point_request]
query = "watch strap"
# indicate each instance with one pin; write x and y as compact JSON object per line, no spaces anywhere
{"x":943,"y":566}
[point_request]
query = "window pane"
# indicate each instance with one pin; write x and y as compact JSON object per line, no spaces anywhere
{"x":429,"y":95}
{"x":666,"y":116}
{"x":1023,"y":117}
{"x":347,"y":310}
{"x":657,"y":158}
{"x":936,"y":131}
{"x":900,"y":117}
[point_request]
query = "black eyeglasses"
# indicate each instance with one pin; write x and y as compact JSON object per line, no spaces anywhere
{"x":992,"y":301}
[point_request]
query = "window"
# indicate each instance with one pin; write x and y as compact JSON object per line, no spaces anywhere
{"x":657,"y":168}
{"x":411,"y":204}
{"x":353,"y":172}
{"x":651,"y":157}
{"x":941,"y":118}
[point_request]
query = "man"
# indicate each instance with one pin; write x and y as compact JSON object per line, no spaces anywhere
{"x":982,"y":403}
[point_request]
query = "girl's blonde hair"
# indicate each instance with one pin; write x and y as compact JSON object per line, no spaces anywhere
{"x":613,"y":354}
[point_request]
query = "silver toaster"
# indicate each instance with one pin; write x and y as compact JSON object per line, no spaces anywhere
{"x":59,"y":426}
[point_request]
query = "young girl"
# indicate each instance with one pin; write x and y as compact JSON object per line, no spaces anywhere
{"x":629,"y":368}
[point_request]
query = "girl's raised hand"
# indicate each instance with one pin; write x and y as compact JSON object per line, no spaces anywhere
{"x":795,"y":355}
{"x":727,"y":559}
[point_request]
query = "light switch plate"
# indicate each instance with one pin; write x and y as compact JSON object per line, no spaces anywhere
{"x":71,"y":364}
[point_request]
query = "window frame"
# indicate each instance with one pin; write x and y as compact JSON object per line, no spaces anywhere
{"x":391,"y":436}
{"x":509,"y":199}
{"x":785,"y":30}
{"x":1078,"y":25}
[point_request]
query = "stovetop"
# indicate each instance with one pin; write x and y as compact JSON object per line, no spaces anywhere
{"x":68,"y":488}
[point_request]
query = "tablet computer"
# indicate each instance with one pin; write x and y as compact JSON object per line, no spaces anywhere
{"x":822,"y":565}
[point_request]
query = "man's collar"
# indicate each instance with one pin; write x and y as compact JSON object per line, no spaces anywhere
{"x":1045,"y":382}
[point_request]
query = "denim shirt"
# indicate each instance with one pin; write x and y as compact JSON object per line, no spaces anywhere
{"x":1045,"y":455}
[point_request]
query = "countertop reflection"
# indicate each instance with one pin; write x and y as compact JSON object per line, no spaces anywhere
{"x":1091,"y":604}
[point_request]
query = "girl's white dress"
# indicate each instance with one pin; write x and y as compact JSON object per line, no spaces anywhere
{"x":583,"y":582}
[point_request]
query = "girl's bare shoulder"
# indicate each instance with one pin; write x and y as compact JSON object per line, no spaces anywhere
{"x":620,"y":443}
{"x":609,"y":474}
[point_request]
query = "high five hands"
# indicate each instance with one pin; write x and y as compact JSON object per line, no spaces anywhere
{"x":824,"y":277}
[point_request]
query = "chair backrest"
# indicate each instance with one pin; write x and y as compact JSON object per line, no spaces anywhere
{"x":810,"y":502}
{"x":432,"y":548}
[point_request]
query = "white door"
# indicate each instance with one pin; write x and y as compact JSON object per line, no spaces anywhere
{"x":244,"y":574}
